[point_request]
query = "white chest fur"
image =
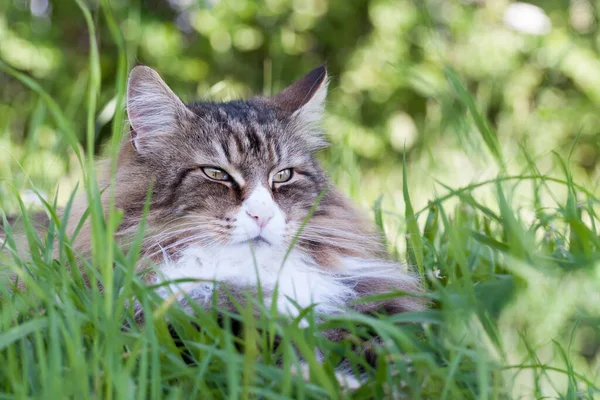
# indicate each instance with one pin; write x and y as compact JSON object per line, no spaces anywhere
{"x":298,"y":279}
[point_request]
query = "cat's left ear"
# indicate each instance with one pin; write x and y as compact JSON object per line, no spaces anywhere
{"x":305,"y":98}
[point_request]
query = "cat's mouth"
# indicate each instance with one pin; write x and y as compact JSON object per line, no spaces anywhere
{"x":259,"y":241}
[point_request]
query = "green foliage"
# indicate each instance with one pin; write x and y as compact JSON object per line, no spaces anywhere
{"x":509,"y":248}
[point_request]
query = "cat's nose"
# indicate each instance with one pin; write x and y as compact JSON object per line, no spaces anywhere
{"x":262,"y":217}
{"x":260,"y":206}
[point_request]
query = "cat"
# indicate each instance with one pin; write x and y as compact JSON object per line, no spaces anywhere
{"x":231,"y":186}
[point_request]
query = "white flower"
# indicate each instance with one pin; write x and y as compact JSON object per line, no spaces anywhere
{"x":527,"y":18}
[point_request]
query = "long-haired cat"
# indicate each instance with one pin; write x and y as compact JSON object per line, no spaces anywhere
{"x":231,"y":185}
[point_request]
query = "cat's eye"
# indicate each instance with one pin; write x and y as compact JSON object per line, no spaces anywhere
{"x":283,"y":176}
{"x":216,"y":173}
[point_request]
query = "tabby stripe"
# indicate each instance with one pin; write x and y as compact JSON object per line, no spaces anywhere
{"x":181,"y":175}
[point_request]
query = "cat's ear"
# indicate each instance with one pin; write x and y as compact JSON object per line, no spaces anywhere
{"x":305,"y":98}
{"x":153,"y":109}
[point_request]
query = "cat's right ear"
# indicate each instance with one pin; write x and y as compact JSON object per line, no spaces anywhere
{"x":152,"y":108}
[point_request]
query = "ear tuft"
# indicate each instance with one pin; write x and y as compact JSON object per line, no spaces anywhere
{"x":305,"y":97}
{"x":310,"y":88}
{"x":305,"y":100}
{"x":152,"y":107}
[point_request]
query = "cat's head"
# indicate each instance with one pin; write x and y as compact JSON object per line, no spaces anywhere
{"x":232,"y":172}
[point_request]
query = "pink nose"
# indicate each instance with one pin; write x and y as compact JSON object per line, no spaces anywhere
{"x":261,"y":220}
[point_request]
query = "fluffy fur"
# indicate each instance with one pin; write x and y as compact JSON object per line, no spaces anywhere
{"x":237,"y":232}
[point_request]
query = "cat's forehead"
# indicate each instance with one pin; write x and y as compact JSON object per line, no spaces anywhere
{"x":246,"y":135}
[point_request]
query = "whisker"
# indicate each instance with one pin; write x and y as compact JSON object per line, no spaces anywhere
{"x":161,"y":237}
{"x":324,"y":235}
{"x":169,"y":230}
{"x":340,"y":234}
{"x":199,"y":236}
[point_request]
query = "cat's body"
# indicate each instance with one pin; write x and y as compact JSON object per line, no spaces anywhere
{"x":232,"y":184}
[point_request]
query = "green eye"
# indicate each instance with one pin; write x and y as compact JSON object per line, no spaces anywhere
{"x":216,"y":173}
{"x":283,"y":176}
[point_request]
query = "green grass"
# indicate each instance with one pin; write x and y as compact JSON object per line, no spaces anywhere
{"x":513,"y":286}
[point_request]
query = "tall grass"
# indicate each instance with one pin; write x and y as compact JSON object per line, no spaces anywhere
{"x":513,"y":289}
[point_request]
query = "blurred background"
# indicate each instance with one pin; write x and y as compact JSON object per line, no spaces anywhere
{"x":438,"y":83}
{"x":533,"y":70}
